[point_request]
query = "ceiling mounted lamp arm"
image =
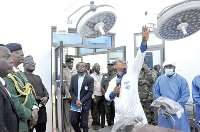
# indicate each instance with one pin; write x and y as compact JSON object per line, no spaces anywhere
{"x":92,"y":7}
{"x":172,"y":6}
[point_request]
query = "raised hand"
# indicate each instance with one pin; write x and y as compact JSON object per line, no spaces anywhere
{"x":145,"y":34}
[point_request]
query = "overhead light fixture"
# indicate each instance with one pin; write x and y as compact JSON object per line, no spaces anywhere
{"x":95,"y":22}
{"x":179,"y":20}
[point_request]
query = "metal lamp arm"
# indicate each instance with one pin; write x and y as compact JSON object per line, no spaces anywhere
{"x":68,"y":19}
{"x":92,"y":7}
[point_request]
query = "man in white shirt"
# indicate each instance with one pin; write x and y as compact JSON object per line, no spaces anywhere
{"x":125,"y":96}
{"x":98,"y":98}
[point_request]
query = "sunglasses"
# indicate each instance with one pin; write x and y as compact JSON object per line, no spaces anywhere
{"x":31,"y":63}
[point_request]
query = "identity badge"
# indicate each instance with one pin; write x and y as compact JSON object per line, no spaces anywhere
{"x":86,"y":87}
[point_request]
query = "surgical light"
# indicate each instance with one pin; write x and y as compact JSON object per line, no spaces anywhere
{"x":95,"y":22}
{"x":179,"y":20}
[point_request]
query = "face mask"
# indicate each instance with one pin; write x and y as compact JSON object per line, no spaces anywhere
{"x":169,"y":72}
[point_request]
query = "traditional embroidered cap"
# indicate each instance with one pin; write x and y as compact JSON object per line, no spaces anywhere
{"x":168,"y":62}
{"x":28,"y":59}
{"x":69,"y":60}
{"x":14,"y":46}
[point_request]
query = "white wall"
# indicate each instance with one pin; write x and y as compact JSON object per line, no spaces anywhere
{"x":29,"y":23}
{"x":101,"y":59}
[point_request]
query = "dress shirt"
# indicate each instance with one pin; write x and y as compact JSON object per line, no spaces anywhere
{"x":80,"y":82}
{"x":4,"y":83}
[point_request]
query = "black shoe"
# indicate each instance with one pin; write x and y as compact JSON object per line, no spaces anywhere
{"x":81,"y":125}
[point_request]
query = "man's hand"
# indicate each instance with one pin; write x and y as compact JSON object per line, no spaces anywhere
{"x":78,"y":103}
{"x":69,"y":100}
{"x":34,"y":117}
{"x":116,"y":90}
{"x":145,"y":34}
{"x":44,"y":100}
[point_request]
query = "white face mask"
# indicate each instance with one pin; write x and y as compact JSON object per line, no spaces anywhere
{"x":169,"y":72}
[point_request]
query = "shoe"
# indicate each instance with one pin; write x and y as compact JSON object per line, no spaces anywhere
{"x":81,"y":125}
{"x":102,"y":126}
{"x":95,"y":127}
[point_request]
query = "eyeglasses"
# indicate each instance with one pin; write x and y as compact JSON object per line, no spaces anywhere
{"x":80,"y":66}
{"x":31,"y":63}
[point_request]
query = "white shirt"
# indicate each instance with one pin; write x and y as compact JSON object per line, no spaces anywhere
{"x":80,"y":82}
{"x":3,"y":82}
{"x":97,"y":84}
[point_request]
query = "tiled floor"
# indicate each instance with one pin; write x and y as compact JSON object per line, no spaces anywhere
{"x":90,"y":126}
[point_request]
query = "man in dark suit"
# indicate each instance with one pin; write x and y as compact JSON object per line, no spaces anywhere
{"x":81,"y":90}
{"x":9,"y":118}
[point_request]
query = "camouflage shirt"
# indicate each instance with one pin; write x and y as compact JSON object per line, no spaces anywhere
{"x":146,"y":91}
{"x":106,"y":79}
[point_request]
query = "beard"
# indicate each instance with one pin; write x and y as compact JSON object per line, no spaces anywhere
{"x":30,"y":70}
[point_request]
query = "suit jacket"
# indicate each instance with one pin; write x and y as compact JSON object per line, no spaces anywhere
{"x":9,"y":118}
{"x":23,"y":110}
{"x":85,"y":92}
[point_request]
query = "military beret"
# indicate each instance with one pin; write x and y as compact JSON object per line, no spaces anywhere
{"x":14,"y":46}
{"x":69,"y":60}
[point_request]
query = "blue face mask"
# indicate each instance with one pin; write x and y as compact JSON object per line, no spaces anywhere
{"x":169,"y":72}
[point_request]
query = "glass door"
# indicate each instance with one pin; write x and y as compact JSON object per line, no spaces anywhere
{"x":59,"y":87}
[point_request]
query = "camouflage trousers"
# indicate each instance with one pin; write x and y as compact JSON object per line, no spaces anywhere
{"x":149,"y":111}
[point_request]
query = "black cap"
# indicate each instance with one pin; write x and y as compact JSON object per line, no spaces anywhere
{"x":69,"y":60}
{"x":14,"y":46}
{"x":111,"y":62}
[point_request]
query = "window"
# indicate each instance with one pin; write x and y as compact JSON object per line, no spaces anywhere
{"x":105,"y":41}
{"x":70,"y":38}
{"x":84,"y":51}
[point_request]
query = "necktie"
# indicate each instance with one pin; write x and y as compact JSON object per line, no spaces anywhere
{"x":6,"y":86}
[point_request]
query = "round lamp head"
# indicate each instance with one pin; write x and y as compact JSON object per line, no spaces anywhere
{"x":179,"y":21}
{"x":95,"y":23}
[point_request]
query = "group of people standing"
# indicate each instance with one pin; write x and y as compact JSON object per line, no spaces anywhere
{"x":142,"y":84}
{"x":22,"y":94}
{"x":90,"y":89}
{"x":85,"y":88}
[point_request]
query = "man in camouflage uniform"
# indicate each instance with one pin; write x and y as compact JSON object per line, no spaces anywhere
{"x":146,"y":80}
{"x":109,"y":105}
{"x":68,"y":72}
